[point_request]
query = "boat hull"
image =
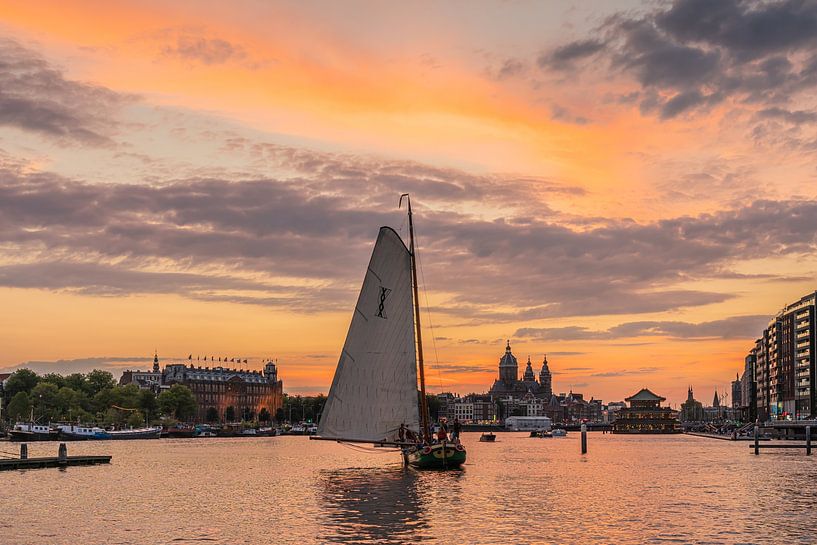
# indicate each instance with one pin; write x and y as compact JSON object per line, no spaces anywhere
{"x":442,"y":456}
{"x":27,"y":436}
{"x":69,"y":436}
{"x":136,"y":434}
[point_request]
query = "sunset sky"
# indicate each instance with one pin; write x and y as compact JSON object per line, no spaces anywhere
{"x":629,"y":187}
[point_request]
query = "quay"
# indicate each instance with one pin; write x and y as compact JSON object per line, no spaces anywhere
{"x":61,"y":460}
{"x":725,"y":437}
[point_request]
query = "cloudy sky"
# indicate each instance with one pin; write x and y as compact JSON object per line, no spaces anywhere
{"x":628,"y":187}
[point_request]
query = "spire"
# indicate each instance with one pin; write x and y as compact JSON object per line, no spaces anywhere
{"x":716,"y":402}
{"x":155,"y":361}
{"x":508,"y":346}
{"x":529,"y":376}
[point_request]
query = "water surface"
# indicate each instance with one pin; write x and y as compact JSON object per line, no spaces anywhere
{"x":639,"y":489}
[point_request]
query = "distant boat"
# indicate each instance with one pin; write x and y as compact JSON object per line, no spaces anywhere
{"x":179,"y":432}
{"x":559,"y":432}
{"x":70,"y":432}
{"x":542,"y":434}
{"x":137,"y":433}
{"x":373,"y":397}
{"x":25,"y":432}
{"x":487,"y":437}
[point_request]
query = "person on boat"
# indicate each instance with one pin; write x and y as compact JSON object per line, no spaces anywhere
{"x":411,"y":436}
{"x":442,"y":435}
{"x":456,"y":429}
{"x":401,"y":433}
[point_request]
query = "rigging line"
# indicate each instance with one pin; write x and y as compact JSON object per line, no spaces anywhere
{"x":430,"y":322}
{"x":369,"y":450}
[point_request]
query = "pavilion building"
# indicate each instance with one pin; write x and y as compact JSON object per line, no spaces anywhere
{"x":645,"y":415}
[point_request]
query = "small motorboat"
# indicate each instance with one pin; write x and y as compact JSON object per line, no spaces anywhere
{"x":69,"y":432}
{"x":559,"y":433}
{"x":489,"y":437}
{"x":542,"y":434}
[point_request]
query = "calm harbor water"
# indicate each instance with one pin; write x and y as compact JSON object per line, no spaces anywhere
{"x":639,"y":489}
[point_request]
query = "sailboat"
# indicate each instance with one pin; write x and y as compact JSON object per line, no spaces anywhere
{"x":373,"y":397}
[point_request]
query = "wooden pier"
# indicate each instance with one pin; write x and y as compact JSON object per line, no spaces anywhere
{"x":61,"y":460}
{"x":807,"y":445}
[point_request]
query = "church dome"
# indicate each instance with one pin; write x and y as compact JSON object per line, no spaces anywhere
{"x":508,"y":360}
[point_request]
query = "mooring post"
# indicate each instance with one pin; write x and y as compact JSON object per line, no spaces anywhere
{"x":62,"y":454}
{"x":808,"y":440}
{"x":757,"y":439}
{"x":23,"y":451}
{"x":584,"y":438}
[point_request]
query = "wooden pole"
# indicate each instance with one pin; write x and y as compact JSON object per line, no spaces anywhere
{"x":757,"y":439}
{"x":23,"y":451}
{"x":62,"y":454}
{"x":424,"y":418}
{"x":808,"y":440}
{"x":584,"y":438}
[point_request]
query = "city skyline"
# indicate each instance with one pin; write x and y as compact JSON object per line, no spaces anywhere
{"x":623,"y":188}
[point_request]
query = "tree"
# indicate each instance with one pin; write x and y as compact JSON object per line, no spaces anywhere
{"x":69,"y":402}
{"x":212,"y":415}
{"x":264,"y":415}
{"x":76,"y":381}
{"x":20,"y":406}
{"x":54,"y":378}
{"x":279,"y":415}
{"x":22,"y":380}
{"x":136,"y":419}
{"x":229,"y":414}
{"x":178,"y":402}
{"x":44,"y":399}
{"x":433,"y":403}
{"x":99,"y":380}
{"x":148,"y":403}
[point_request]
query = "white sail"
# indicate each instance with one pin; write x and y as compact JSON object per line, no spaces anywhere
{"x":375,"y":384}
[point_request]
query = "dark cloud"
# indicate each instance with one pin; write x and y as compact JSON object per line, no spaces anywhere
{"x":691,"y":54}
{"x":82,"y":365}
{"x":735,"y":327}
{"x":508,"y":69}
{"x":36,"y":97}
{"x":451,"y":368}
{"x":563,"y":56}
{"x":795,"y":117}
{"x":627,"y":372}
{"x":205,"y":50}
{"x":303,"y":242}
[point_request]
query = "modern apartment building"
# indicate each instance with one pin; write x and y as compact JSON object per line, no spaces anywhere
{"x":785,"y":365}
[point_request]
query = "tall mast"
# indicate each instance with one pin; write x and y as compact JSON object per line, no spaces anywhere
{"x":423,"y":403}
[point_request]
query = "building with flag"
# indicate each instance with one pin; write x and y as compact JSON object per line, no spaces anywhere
{"x":217,"y":389}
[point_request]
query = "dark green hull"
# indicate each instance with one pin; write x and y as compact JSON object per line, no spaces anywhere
{"x":448,"y":456}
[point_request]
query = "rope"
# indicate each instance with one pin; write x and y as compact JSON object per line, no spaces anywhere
{"x":369,"y":450}
{"x":428,"y":314}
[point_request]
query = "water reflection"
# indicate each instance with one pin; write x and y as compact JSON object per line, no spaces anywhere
{"x":371,"y":505}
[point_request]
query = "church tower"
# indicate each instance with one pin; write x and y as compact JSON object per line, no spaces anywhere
{"x":508,"y":366}
{"x":156,"y":361}
{"x":545,"y":379}
{"x":528,"y":376}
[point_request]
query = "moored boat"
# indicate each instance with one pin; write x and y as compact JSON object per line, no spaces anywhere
{"x":373,"y":397}
{"x":136,"y":433}
{"x":30,"y":431}
{"x":70,"y":432}
{"x":559,"y":432}
{"x":489,"y":437}
{"x":180,"y":432}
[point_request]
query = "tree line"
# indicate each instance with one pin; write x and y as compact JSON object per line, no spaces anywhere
{"x":93,"y":397}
